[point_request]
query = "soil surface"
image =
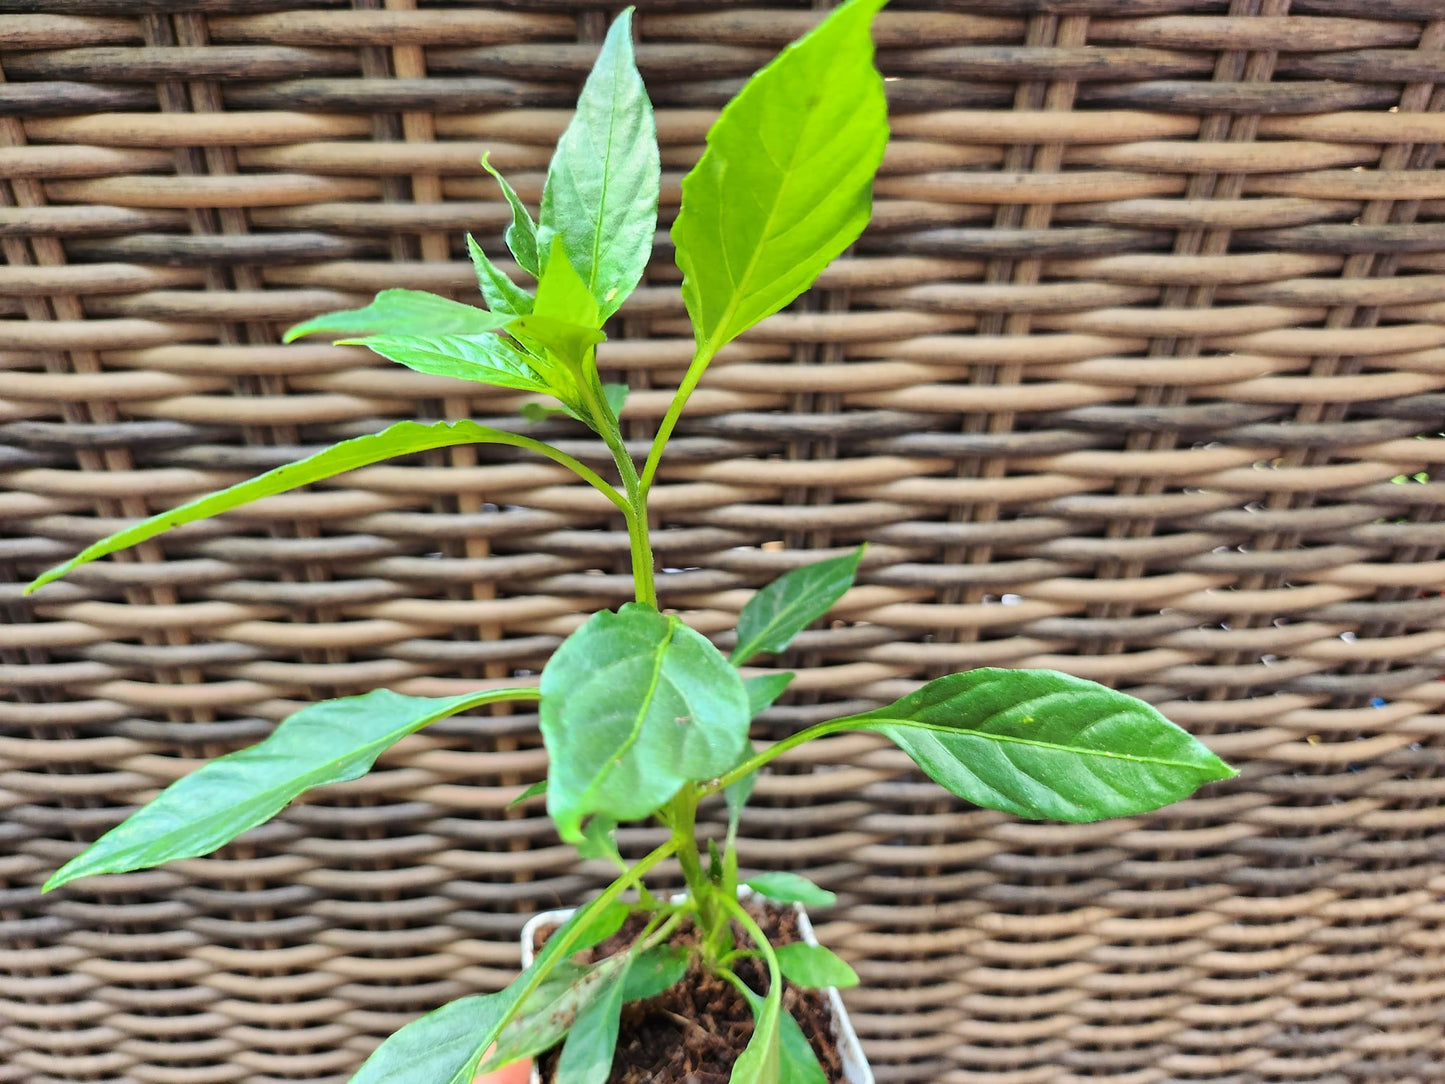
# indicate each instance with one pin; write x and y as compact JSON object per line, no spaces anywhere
{"x":693,"y":1032}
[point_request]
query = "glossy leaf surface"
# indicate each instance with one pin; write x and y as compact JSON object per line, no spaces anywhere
{"x":521,"y":235}
{"x":400,"y":439}
{"x":503,"y":296}
{"x":791,"y":888}
{"x":1041,"y":744}
{"x":772,"y":617}
{"x":329,"y":742}
{"x":402,"y":312}
{"x":634,"y":705}
{"x":486,"y":359}
{"x":785,"y":184}
{"x":602,"y":186}
{"x":815,"y":966}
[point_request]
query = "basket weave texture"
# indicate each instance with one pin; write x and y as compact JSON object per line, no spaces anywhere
{"x":1134,"y":375}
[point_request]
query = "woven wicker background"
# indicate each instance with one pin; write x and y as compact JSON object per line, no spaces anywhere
{"x":1122,"y":380}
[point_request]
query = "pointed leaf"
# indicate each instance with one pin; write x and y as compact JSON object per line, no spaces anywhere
{"x":763,"y":689}
{"x":446,"y":1046}
{"x":791,"y":603}
{"x":655,"y":970}
{"x":602,"y":186}
{"x":600,"y":924}
{"x":329,"y":742}
{"x":562,"y":295}
{"x":553,"y":1008}
{"x":814,"y":966}
{"x":587,"y":1053}
{"x":786,"y":182}
{"x":761,"y":1060}
{"x":403,"y":312}
{"x":798,"y":1063}
{"x":522,"y":233}
{"x":400,"y":439}
{"x":634,"y":705}
{"x":597,"y":841}
{"x":791,"y":888}
{"x":503,"y":296}
{"x":537,"y":788}
{"x":1041,"y":744}
{"x":614,"y":394}
{"x":486,"y":359}
{"x":442,"y":1047}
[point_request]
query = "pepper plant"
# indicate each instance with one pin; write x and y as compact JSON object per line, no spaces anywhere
{"x":643,"y":718}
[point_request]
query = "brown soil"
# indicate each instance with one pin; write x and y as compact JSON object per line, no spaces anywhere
{"x":693,"y":1032}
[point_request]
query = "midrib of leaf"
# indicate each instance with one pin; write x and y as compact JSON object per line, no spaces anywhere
{"x":713,"y":343}
{"x":380,"y":745}
{"x":636,"y":732}
{"x":606,"y":184}
{"x":868,"y":722}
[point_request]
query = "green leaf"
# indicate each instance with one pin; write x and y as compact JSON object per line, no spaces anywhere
{"x":446,"y":1046}
{"x":403,"y":312}
{"x":761,"y":1060}
{"x":785,"y":184}
{"x":1040,"y":744}
{"x":442,"y":1047}
{"x":815,"y":966}
{"x":791,"y":603}
{"x":798,"y":1063}
{"x":597,"y":841}
{"x":562,"y":295}
{"x":502,"y":294}
{"x":614,"y":394}
{"x":763,"y":689}
{"x":539,"y":787}
{"x":329,"y":742}
{"x":602,"y":186}
{"x":599,"y":926}
{"x":551,"y":1009}
{"x":634,"y":705}
{"x":486,"y":359}
{"x":655,"y":970}
{"x":791,"y":888}
{"x":400,"y":439}
{"x":522,"y":233}
{"x":587,"y":1053}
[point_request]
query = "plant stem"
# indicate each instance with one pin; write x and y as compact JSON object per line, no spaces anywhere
{"x":772,"y":752}
{"x":700,"y":360}
{"x":681,"y":815}
{"x":634,"y":508}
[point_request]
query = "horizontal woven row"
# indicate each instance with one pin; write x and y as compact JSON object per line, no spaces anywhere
{"x":1138,"y":373}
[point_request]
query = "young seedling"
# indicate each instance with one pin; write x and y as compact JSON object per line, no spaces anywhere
{"x":644,"y":718}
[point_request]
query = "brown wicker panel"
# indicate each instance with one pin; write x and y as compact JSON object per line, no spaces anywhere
{"x":1123,"y":380}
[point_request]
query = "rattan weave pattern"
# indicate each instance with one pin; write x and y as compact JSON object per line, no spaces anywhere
{"x":1122,"y":380}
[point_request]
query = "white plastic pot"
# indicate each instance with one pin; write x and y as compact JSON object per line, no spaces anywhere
{"x":855,"y":1066}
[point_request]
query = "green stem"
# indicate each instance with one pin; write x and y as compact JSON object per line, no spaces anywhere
{"x":681,"y":815}
{"x":772,"y":752}
{"x":586,"y":473}
{"x":700,"y":360}
{"x":634,"y":506}
{"x":775,"y":974}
